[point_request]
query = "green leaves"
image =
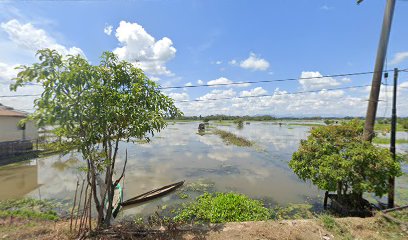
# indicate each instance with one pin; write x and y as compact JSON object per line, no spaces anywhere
{"x":224,"y":207}
{"x":337,"y":154}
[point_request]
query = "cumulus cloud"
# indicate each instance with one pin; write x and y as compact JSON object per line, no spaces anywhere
{"x":31,"y":38}
{"x":399,"y":57}
{"x":28,"y":39}
{"x":7,"y":72}
{"x":221,"y":80}
{"x":253,"y":92}
{"x":179,"y":96}
{"x":217,"y":93}
{"x":233,"y":62}
{"x":200,"y":82}
{"x":188,"y":84}
{"x":224,"y":80}
{"x":140,"y":48}
{"x":108,"y":30}
{"x":315,"y":80}
{"x":254,"y":63}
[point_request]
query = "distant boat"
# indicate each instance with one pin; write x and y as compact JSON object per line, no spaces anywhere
{"x":155,"y":193}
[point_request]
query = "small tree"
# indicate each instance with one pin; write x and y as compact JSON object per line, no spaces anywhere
{"x":336,"y":159}
{"x":93,"y":108}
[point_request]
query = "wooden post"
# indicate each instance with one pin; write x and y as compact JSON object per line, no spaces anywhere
{"x":391,"y":180}
{"x":378,"y":70}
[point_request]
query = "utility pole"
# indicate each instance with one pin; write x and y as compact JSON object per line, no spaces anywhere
{"x":391,"y":180}
{"x":378,"y":70}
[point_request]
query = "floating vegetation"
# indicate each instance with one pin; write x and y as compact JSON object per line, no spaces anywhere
{"x":230,"y":138}
{"x":294,"y":211}
{"x":29,"y":208}
{"x":142,"y":141}
{"x":199,"y":186}
{"x":223,"y":207}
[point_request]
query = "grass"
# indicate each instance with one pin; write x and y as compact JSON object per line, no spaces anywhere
{"x":330,"y":224}
{"x":28,"y":208}
{"x":379,"y":140}
{"x":305,"y":124}
{"x":233,"y":139}
{"x":386,"y":127}
{"x":223,"y":207}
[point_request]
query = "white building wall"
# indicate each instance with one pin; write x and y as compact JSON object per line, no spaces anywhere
{"x":10,"y":131}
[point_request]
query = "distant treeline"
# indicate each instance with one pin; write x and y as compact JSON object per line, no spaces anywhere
{"x":254,"y":118}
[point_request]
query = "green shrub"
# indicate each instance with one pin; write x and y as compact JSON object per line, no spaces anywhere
{"x":223,"y":207}
{"x":335,"y":158}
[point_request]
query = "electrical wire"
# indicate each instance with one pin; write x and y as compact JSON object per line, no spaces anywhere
{"x":271,"y":95}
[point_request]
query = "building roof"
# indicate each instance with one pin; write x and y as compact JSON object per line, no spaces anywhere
{"x":10,"y":112}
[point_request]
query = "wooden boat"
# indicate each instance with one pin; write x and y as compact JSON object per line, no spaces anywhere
{"x":155,"y":193}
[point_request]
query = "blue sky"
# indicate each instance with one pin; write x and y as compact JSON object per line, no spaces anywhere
{"x":183,"y":42}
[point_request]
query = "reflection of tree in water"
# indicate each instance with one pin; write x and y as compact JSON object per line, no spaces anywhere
{"x":63,"y":165}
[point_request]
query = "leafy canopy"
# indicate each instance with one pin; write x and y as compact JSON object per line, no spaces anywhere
{"x":89,"y":104}
{"x":336,"y":154}
{"x":223,"y":207}
{"x":93,"y":108}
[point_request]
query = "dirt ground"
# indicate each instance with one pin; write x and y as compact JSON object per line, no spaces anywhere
{"x":341,"y":228}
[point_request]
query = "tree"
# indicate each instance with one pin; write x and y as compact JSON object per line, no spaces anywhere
{"x":93,"y":108}
{"x":335,"y":158}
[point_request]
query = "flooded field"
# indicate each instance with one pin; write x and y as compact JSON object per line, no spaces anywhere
{"x":178,"y":153}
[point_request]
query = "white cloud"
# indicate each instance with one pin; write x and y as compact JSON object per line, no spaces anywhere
{"x":254,"y":63}
{"x":179,"y":96}
{"x":188,"y":84}
{"x":200,"y":82}
{"x":326,"y":8}
{"x":108,"y":30}
{"x":25,"y":39}
{"x":233,"y":62}
{"x":31,"y":38}
{"x":399,"y":57}
{"x":140,"y":48}
{"x":253,"y":92}
{"x":216,"y":94}
{"x":224,"y":80}
{"x":404,"y":84}
{"x":218,"y":62}
{"x":221,"y":80}
{"x":315,"y":80}
{"x":7,"y":72}
{"x":346,"y":80}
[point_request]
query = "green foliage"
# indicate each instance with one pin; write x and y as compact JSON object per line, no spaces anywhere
{"x":293,"y":211}
{"x":239,"y":122}
{"x":336,"y":158}
{"x":231,"y":138}
{"x":28,"y":208}
{"x":328,"y":122}
{"x":223,"y":207}
{"x":92,"y":108}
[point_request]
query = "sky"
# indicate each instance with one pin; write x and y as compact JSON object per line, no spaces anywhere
{"x":186,"y":43}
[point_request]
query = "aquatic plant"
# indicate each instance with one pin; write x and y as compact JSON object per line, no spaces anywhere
{"x":233,"y":139}
{"x":223,"y":207}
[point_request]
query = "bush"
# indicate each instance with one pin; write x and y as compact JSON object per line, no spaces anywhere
{"x":223,"y":207}
{"x":335,"y":158}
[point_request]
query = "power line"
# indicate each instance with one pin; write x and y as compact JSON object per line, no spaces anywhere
{"x":268,"y":81}
{"x":271,"y":95}
{"x":261,"y":81}
{"x":235,"y":83}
